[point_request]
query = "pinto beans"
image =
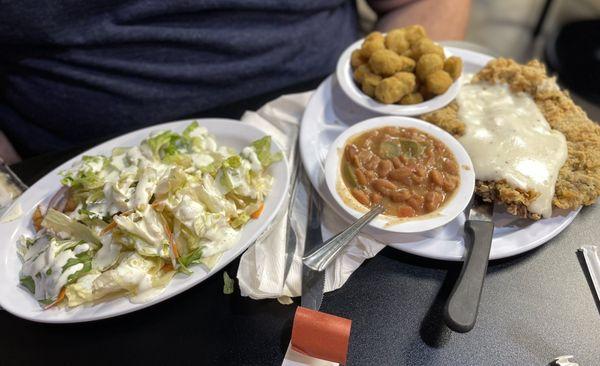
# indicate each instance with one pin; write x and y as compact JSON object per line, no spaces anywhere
{"x":373,"y":162}
{"x":416,"y":202}
{"x":420,"y":171}
{"x":376,"y":197}
{"x":351,"y":151}
{"x":384,"y":168}
{"x":436,"y":177}
{"x":433,"y":200}
{"x":405,"y":211}
{"x":408,"y":171}
{"x":451,"y":166}
{"x":360,"y":177}
{"x":398,"y":174}
{"x":400,"y":195}
{"x":450,"y":184}
{"x":371,"y":175}
{"x":384,"y":186}
{"x":361,"y":196}
{"x":397,"y":162}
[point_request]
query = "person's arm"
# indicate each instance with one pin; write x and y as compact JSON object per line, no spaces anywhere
{"x":443,"y":19}
{"x":7,"y":151}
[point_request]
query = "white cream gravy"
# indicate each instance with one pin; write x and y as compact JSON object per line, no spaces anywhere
{"x":508,"y":138}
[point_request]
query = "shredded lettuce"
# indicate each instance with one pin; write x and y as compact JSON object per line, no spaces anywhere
{"x":241,"y":220}
{"x":146,"y":229}
{"x":144,"y":213}
{"x":191,"y":258}
{"x":187,"y":133}
{"x":88,"y":175}
{"x":228,"y":284}
{"x":86,"y":260}
{"x":263,"y":151}
{"x":58,"y":222}
{"x":160,"y":141}
{"x":210,"y":195}
{"x":28,"y":283}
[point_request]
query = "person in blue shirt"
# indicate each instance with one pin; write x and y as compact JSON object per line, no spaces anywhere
{"x":73,"y":71}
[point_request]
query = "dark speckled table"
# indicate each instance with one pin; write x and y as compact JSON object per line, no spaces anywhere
{"x":534,"y":307}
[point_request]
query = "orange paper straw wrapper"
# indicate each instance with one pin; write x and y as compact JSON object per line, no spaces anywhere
{"x":321,"y":335}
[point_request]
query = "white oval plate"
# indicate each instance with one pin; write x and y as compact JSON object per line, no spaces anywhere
{"x":19,"y":302}
{"x":459,"y":200}
{"x":330,"y":112}
{"x":346,"y":81}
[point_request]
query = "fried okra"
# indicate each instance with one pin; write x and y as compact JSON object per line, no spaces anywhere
{"x":438,"y":82}
{"x":404,"y":66}
{"x":424,"y":46}
{"x":387,"y":63}
{"x":412,"y":98}
{"x":396,"y":41}
{"x":369,"y":83}
{"x":373,"y":42}
{"x":415,"y":33}
{"x":360,"y":72}
{"x":453,"y":66}
{"x":391,"y":90}
{"x":357,"y":59}
{"x":427,"y":64}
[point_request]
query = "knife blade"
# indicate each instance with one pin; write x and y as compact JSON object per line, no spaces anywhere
{"x":290,"y":233}
{"x":460,"y":312}
{"x":313,"y":282}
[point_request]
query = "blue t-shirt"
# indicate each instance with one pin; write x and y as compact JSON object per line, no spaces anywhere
{"x":73,"y":70}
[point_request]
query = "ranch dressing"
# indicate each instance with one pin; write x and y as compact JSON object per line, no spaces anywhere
{"x":44,"y":262}
{"x":508,"y":138}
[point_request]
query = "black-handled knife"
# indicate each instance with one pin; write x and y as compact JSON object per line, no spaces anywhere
{"x":461,"y":309}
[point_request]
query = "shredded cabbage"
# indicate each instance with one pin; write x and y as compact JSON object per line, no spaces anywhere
{"x":144,"y":213}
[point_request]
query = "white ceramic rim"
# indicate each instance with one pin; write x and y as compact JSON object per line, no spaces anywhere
{"x":19,"y":302}
{"x":443,"y":215}
{"x":346,"y":80}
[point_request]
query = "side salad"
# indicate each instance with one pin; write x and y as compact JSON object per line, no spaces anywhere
{"x":125,"y":224}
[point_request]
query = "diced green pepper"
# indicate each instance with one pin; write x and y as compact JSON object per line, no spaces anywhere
{"x":411,"y":148}
{"x":406,"y":148}
{"x":349,"y":175}
{"x":388,"y":150}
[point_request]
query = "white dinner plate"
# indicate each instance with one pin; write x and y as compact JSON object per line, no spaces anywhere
{"x":20,"y":302}
{"x":330,"y":112}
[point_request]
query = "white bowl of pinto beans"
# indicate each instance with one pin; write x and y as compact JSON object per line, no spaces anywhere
{"x":422,"y":174}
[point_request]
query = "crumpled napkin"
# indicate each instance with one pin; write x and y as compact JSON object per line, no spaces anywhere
{"x":260,"y":273}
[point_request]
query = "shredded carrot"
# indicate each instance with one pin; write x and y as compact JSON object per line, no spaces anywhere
{"x":256,"y":214}
{"x":59,"y":298}
{"x":108,"y":228}
{"x":37,"y":218}
{"x":113,"y":224}
{"x":171,"y":241}
{"x":168,"y":267}
{"x":157,"y":204}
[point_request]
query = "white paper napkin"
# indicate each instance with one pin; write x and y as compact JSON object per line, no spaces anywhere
{"x":293,"y":358}
{"x":260,"y":274}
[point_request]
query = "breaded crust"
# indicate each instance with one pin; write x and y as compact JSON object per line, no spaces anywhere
{"x":578,"y":181}
{"x":446,"y":119}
